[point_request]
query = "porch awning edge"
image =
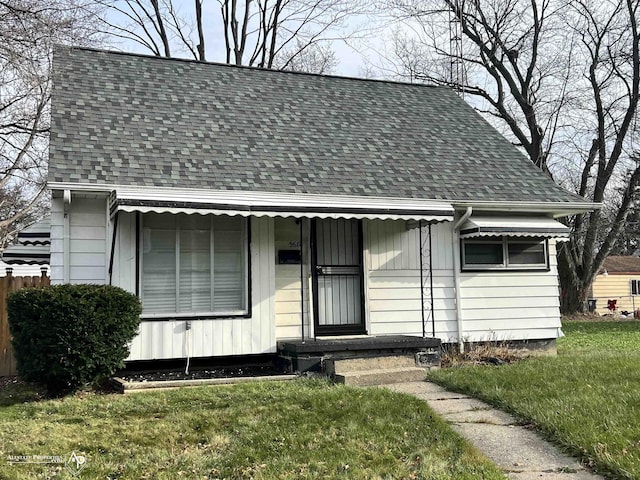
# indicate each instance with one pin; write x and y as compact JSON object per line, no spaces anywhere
{"x":479,"y":227}
{"x":274,"y":205}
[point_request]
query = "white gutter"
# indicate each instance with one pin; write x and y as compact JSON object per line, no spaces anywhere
{"x":557,"y":209}
{"x":66,"y":242}
{"x":455,"y":243}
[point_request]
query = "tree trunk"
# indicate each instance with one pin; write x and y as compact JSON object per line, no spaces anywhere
{"x":573,"y":292}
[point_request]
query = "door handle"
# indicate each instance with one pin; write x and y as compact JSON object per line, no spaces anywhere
{"x":319,"y":270}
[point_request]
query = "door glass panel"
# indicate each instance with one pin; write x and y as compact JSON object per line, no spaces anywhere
{"x":339,"y":300}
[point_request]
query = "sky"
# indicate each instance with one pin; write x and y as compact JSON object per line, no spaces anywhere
{"x":357,"y":57}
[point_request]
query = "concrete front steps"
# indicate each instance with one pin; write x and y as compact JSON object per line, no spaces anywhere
{"x":378,"y":370}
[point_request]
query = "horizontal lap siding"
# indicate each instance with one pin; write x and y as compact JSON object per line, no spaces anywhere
{"x":88,"y":241}
{"x":213,"y":337}
{"x":614,"y":287}
{"x":288,"y":297}
{"x":392,"y":258}
{"x":511,"y":305}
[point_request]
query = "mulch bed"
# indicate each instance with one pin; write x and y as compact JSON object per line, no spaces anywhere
{"x":171,"y":375}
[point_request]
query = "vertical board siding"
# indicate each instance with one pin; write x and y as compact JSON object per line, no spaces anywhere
{"x":503,"y":306}
{"x":615,"y":286}
{"x":209,"y":337}
{"x":392,"y":261}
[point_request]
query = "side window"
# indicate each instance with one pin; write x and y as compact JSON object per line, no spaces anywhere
{"x":635,"y":287}
{"x":504,"y":254}
{"x":483,"y":254}
{"x":527,"y":253}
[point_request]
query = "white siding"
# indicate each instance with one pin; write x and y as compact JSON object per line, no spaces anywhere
{"x":511,"y":305}
{"x":211,"y":337}
{"x":495,"y":305}
{"x":88,"y":240}
{"x":287,"y":282}
{"x":392,"y":260}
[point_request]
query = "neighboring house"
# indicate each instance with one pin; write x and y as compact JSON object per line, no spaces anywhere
{"x":248,"y":206}
{"x":30,"y":254}
{"x":619,"y":281}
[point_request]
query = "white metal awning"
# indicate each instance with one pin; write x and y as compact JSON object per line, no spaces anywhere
{"x":33,"y":247}
{"x":26,"y":255}
{"x":540,"y":227}
{"x":260,"y":204}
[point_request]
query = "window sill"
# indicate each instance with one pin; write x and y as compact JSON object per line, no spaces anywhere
{"x":157,"y":317}
{"x":504,"y":269}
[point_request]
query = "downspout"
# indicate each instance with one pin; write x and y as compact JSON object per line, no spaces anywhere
{"x":455,"y":242}
{"x":66,"y":237}
{"x":424,"y":329}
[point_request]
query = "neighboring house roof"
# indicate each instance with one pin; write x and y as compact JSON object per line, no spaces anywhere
{"x":621,"y":264}
{"x":132,"y":120}
{"x":33,"y":246}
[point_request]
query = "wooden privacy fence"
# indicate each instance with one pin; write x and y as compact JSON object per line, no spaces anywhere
{"x":11,"y":284}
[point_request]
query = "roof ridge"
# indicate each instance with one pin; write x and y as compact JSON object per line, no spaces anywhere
{"x":247,"y":67}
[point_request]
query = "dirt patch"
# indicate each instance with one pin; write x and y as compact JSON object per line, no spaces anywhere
{"x":485,"y":355}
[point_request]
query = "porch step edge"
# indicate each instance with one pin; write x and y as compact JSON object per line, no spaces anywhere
{"x":384,"y":376}
{"x":382,"y":362}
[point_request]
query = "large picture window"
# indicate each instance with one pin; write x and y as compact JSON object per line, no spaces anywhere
{"x":193,"y":265}
{"x":503,"y":254}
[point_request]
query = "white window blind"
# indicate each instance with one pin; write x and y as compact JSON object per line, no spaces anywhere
{"x":194,"y":264}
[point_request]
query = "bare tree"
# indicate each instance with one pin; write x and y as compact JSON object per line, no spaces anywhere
{"x":561,"y":77}
{"x":28,"y":29}
{"x":282,"y":34}
{"x":316,"y":58}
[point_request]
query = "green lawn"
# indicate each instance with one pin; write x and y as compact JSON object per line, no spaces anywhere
{"x":302,"y":429}
{"x":587,"y":399}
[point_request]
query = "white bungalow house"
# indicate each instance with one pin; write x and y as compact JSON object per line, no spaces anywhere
{"x":248,"y":207}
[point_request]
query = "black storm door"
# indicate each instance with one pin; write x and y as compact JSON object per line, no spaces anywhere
{"x":337,"y":276}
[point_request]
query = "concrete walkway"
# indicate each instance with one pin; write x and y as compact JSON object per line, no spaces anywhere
{"x":521,"y":453}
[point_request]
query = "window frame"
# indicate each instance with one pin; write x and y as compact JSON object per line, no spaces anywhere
{"x":505,"y":266}
{"x":159,"y":316}
{"x":636,"y":282}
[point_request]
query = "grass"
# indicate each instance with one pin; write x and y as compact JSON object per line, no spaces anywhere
{"x":263,"y":430}
{"x":587,"y":399}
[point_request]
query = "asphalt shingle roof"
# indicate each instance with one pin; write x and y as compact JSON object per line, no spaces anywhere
{"x":621,"y":264}
{"x":136,"y":120}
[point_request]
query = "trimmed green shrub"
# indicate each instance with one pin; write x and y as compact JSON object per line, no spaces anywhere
{"x":66,"y":336}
